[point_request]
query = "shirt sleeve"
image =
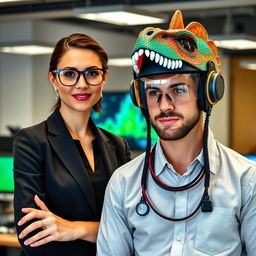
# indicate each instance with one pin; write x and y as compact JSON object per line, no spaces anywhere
{"x":248,"y":213}
{"x":115,"y":236}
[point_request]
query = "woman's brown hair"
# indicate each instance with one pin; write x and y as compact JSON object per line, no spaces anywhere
{"x":80,"y":41}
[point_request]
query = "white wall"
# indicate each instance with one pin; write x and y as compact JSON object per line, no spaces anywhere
{"x":15,"y":78}
{"x":43,"y":93}
{"x":15,"y":91}
{"x":16,"y":31}
{"x":114,"y":43}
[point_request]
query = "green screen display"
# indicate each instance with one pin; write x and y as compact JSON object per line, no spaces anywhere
{"x":121,"y":117}
{"x":6,"y":174}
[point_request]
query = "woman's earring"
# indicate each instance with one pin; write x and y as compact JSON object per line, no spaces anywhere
{"x":57,"y":93}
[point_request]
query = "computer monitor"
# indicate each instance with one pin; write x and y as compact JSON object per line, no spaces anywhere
{"x":6,"y":177}
{"x":122,"y":118}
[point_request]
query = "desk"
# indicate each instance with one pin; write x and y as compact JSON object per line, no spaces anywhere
{"x":9,"y":240}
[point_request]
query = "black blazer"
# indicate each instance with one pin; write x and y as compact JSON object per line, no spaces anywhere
{"x":47,"y":163}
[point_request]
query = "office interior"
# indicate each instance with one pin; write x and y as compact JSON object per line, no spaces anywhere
{"x":26,"y":96}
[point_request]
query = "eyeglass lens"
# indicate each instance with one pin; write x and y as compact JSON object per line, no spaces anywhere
{"x":177,"y":94}
{"x":70,"y":77}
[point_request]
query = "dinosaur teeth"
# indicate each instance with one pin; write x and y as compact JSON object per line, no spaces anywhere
{"x":147,"y":53}
{"x":169,"y":64}
{"x":134,"y":64}
{"x":180,"y":63}
{"x":136,"y":56}
{"x":161,"y":60}
{"x":133,"y":60}
{"x":165,"y":62}
{"x":173,"y":64}
{"x":135,"y":68}
{"x":141,"y":51}
{"x":152,"y":55}
{"x":157,"y":58}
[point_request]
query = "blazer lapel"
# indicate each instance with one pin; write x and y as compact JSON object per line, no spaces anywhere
{"x":65,"y":148}
{"x":107,"y":150}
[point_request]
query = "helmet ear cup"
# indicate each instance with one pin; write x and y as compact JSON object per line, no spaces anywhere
{"x":132,"y":94}
{"x":138,"y":96}
{"x":211,"y":87}
{"x":215,"y":88}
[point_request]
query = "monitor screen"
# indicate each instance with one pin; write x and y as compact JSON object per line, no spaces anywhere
{"x":122,"y":118}
{"x":251,"y":157}
{"x":6,"y":174}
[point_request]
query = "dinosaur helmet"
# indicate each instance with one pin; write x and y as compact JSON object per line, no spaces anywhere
{"x":175,"y":50}
{"x":180,"y":49}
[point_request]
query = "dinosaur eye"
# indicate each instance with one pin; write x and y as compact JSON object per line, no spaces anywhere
{"x":164,"y":37}
{"x":187,"y":43}
{"x":150,"y":32}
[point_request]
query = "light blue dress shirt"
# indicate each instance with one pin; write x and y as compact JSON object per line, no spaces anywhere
{"x":229,"y":230}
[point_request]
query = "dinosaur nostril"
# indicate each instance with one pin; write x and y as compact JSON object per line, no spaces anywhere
{"x":164,"y":37}
{"x":150,"y":32}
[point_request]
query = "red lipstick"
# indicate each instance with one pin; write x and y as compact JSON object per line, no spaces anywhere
{"x":81,"y":96}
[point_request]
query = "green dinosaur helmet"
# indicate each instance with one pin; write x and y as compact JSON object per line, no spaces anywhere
{"x":175,"y":50}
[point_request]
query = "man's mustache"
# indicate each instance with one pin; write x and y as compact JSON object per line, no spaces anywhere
{"x":168,"y":114}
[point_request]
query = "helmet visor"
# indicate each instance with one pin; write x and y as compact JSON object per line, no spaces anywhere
{"x":176,"y":93}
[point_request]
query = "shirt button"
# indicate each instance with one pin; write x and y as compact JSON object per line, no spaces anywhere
{"x":179,"y":237}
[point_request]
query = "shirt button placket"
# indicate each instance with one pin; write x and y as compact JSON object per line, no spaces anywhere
{"x":179,"y":237}
{"x":179,"y":226}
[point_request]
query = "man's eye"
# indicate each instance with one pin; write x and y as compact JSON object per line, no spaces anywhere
{"x":153,"y":93}
{"x":179,"y":90}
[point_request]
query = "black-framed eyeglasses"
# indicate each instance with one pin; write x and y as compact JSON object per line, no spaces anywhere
{"x":69,"y":77}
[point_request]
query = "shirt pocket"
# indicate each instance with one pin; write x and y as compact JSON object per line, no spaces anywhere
{"x":216,"y":231}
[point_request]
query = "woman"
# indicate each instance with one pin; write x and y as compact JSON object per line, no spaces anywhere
{"x":62,"y":165}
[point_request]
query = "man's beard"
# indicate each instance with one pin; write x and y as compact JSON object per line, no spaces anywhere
{"x":177,"y":133}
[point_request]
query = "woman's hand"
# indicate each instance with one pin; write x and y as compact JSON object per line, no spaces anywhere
{"x":54,"y":227}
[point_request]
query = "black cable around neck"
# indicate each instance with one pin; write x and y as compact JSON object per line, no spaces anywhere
{"x":148,"y":147}
{"x":205,"y":148}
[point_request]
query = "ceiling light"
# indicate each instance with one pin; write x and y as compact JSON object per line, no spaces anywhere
{"x":235,"y":41}
{"x":248,"y":64}
{"x":26,"y":48}
{"x":119,"y":15}
{"x":6,"y":1}
{"x":120,"y":62}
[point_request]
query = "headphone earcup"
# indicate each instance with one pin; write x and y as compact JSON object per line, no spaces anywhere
{"x":211,"y":87}
{"x":215,"y":88}
{"x":138,"y":96}
{"x":132,"y":94}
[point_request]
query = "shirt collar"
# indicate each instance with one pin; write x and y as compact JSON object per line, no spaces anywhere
{"x":161,"y":162}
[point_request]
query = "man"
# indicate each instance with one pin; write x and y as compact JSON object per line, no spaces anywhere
{"x":188,"y":195}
